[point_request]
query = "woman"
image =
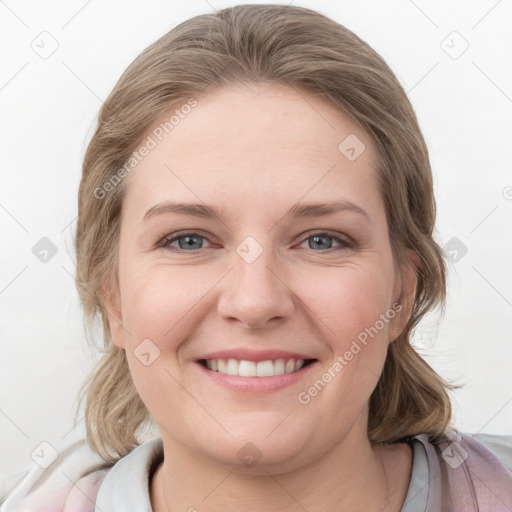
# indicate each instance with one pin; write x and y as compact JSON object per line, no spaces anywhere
{"x":255,"y":232}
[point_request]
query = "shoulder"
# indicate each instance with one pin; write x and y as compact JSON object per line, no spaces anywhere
{"x":78,"y":480}
{"x":493,"y":452}
{"x":469,"y":470}
{"x":478,"y":450}
{"x":457,"y":446}
{"x":499,"y":446}
{"x":127,"y":483}
{"x":70,"y":483}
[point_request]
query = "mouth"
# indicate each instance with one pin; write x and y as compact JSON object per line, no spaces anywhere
{"x":247,"y":368}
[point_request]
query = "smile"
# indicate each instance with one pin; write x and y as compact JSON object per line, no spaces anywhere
{"x":246,"y":368}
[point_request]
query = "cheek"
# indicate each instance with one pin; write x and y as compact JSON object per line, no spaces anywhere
{"x":163,"y":307}
{"x":349,"y":312}
{"x":159,"y":303}
{"x":160,"y":311}
{"x":350,"y":300}
{"x":353,"y":312}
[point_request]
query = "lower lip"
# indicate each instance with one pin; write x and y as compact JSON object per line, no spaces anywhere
{"x":257,"y":384}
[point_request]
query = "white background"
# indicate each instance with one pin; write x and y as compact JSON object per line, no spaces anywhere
{"x":48,"y":109}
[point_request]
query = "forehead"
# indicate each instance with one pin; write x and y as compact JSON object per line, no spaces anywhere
{"x":255,"y":143}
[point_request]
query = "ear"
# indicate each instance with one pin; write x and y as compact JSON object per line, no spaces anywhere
{"x":111,"y":300}
{"x":407,"y":293}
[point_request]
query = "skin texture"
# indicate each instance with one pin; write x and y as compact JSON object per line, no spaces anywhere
{"x":253,"y":153}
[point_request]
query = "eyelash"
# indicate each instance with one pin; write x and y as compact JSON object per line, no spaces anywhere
{"x":167,"y":240}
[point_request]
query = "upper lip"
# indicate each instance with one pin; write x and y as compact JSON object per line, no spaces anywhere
{"x":254,"y":355}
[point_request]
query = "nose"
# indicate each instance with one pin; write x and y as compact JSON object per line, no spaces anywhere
{"x":256,"y":294}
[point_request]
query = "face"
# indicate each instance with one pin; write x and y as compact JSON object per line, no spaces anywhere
{"x":256,"y":317}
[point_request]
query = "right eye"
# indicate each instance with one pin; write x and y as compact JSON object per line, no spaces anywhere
{"x":187,"y":241}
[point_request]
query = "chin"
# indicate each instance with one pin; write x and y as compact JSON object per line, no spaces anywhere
{"x":260,"y":451}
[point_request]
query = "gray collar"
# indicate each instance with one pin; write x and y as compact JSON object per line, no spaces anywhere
{"x":417,"y":494}
{"x":126,"y":486}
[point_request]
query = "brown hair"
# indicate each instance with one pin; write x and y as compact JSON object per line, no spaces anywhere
{"x":285,"y":45}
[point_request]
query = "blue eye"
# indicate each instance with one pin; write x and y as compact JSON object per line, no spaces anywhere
{"x":192,"y":241}
{"x":318,"y":239}
{"x":186,"y":242}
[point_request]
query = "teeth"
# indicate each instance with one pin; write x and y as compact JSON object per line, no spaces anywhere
{"x":265,"y":369}
{"x":232,"y":367}
{"x":279,"y":367}
{"x":290,"y":366}
{"x":246,"y":368}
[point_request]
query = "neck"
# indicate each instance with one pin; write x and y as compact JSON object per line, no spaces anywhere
{"x":354,"y":475}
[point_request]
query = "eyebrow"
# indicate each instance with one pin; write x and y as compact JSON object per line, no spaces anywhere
{"x":299,"y":210}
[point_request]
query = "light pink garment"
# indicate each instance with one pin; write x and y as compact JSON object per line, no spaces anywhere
{"x":60,"y":487}
{"x":461,"y":475}
{"x":464,"y":476}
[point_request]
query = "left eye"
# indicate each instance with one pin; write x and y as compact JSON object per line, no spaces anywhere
{"x":189,"y":242}
{"x":318,"y":239}
{"x":185,"y":241}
